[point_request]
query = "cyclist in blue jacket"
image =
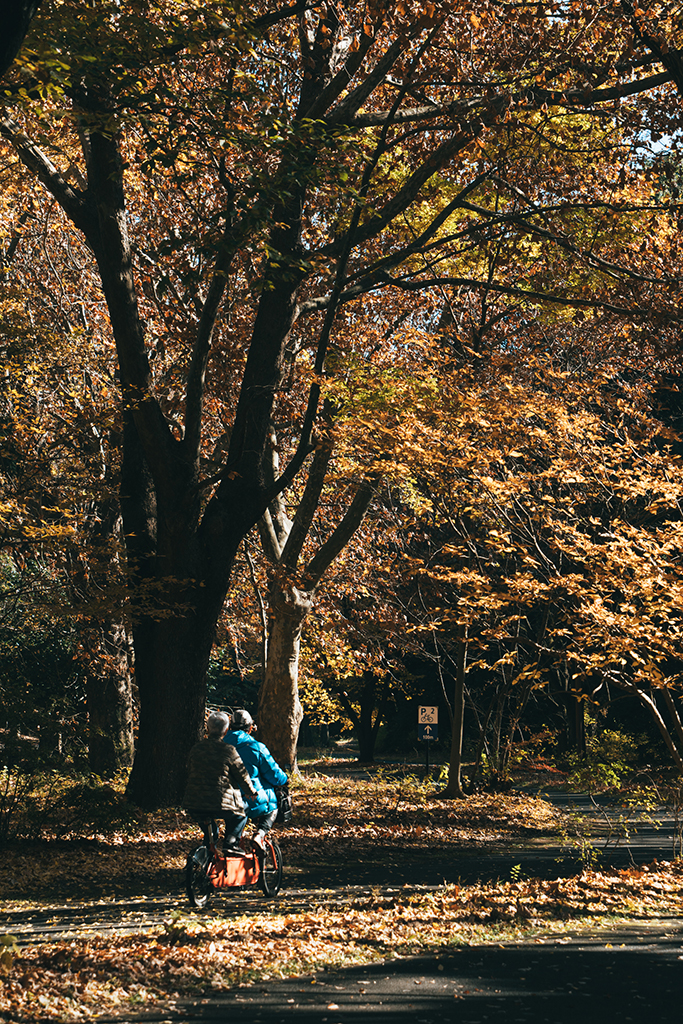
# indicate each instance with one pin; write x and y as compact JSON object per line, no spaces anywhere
{"x":263,"y":770}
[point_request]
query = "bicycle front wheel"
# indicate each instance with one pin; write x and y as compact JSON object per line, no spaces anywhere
{"x":271,"y":868}
{"x":197,"y":880}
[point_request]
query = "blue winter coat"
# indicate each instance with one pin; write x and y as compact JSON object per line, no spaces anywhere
{"x":263,"y":771}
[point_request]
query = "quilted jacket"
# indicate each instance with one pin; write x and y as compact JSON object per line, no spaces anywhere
{"x":217,"y":777}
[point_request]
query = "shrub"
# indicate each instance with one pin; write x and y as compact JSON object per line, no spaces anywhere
{"x":609,"y":759}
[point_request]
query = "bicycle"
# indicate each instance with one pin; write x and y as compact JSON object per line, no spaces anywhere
{"x":207,"y":870}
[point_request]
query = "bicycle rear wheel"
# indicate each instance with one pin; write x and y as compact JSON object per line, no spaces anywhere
{"x":196,"y":878}
{"x":270,"y":879}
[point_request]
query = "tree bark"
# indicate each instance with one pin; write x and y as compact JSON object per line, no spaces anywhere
{"x":280,"y":713}
{"x":109,"y":701}
{"x":454,"y":790}
{"x":576,"y":723}
{"x":15,"y":19}
{"x":182,"y":560}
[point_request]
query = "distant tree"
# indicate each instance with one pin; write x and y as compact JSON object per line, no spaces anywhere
{"x":548,"y":555}
{"x":58,"y":480}
{"x":41,"y":684}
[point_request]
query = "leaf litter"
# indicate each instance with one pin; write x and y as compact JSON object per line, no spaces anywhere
{"x":191,"y":955}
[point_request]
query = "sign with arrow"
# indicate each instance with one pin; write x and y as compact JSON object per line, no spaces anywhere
{"x":427,"y":723}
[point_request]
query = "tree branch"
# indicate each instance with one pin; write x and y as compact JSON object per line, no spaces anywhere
{"x":534,"y":97}
{"x":273,"y":17}
{"x":114,"y":258}
{"x":376,"y":282}
{"x":341,"y":535}
{"x":308,"y":505}
{"x":77,"y":205}
{"x":343,"y":112}
{"x":340,"y":80}
{"x":202,"y":347}
{"x":562,"y":241}
{"x":669,"y":57}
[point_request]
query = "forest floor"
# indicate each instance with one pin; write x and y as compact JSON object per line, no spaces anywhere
{"x":378,"y":870}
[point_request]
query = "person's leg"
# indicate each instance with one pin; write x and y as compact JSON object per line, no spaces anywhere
{"x":234,"y":827}
{"x":263,"y":825}
{"x":266,"y":821}
{"x":207,"y":825}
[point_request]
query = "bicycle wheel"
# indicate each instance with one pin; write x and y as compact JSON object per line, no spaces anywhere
{"x":270,"y":879}
{"x":196,"y":879}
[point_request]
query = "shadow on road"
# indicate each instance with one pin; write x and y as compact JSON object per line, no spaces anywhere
{"x":629,"y":974}
{"x":142,"y":901}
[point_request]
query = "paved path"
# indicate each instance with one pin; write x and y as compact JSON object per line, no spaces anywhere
{"x":617,"y":841}
{"x":45,"y":922}
{"x":629,"y":974}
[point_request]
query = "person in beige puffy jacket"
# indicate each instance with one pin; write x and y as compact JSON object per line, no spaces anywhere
{"x":217,"y":778}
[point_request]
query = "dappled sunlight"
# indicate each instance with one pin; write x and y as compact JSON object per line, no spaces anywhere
{"x":333,"y":816}
{"x":191,"y":955}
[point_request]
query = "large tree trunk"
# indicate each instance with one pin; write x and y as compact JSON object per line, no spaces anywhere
{"x":280,"y":713}
{"x":173,"y":644}
{"x":171,"y":659}
{"x":109,"y":700}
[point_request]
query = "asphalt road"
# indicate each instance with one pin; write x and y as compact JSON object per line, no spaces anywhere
{"x":631,"y":974}
{"x":616,"y":838}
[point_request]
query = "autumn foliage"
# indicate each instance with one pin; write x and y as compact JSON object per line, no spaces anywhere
{"x":394,"y":285}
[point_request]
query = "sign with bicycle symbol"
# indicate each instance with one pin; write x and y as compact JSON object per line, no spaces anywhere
{"x":427,"y":723}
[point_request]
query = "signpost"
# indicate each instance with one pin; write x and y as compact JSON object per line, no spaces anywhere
{"x":427,"y":729}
